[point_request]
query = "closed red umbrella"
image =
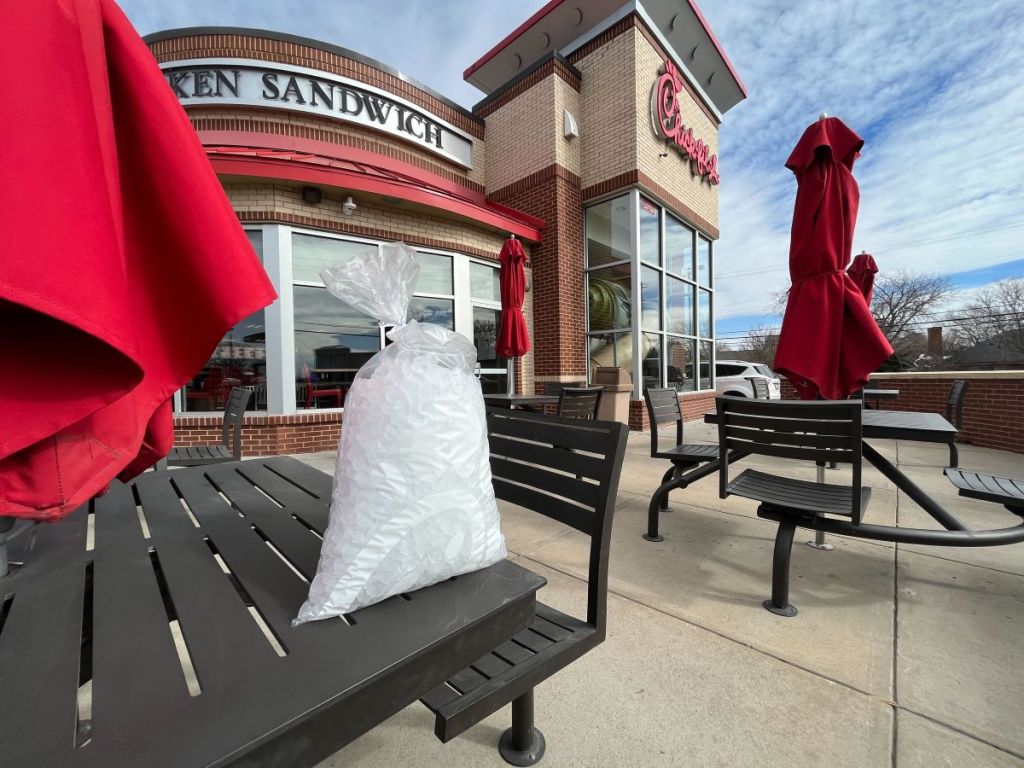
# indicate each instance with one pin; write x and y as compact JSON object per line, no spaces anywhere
{"x":123,"y":263}
{"x":513,"y":337}
{"x":829,"y":341}
{"x":862,"y":271}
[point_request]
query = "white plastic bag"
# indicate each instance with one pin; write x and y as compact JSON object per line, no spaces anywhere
{"x":413,"y":502}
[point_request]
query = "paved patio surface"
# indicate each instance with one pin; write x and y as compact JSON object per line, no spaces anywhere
{"x":901,"y":655}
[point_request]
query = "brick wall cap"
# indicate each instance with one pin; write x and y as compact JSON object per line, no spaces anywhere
{"x":948,"y":375}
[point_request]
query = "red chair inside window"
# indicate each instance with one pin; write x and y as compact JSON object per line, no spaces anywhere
{"x":315,"y":392}
{"x":211,"y":391}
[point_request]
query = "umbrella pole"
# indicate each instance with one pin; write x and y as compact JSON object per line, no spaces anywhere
{"x":510,"y":363}
{"x":819,"y":536}
{"x":10,"y":527}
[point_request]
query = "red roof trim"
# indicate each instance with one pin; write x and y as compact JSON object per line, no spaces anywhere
{"x":718,"y":45}
{"x":548,"y":7}
{"x":333,"y":172}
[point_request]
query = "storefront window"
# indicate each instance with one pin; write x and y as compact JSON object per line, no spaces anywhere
{"x":704,"y":262}
{"x":240,"y":360}
{"x":678,"y":247}
{"x":608,"y":232}
{"x":650,"y":232}
{"x":332,"y":339}
{"x":483,"y":282}
{"x":650,"y":298}
{"x":676,"y":335}
{"x":610,"y":297}
{"x":434,"y":299}
{"x":680,"y":357}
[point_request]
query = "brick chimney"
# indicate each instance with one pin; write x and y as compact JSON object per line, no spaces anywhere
{"x":935,"y":341}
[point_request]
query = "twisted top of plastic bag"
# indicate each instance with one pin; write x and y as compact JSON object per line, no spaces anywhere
{"x":379,"y":283}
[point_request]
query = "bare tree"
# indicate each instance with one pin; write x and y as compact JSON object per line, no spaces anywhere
{"x":902,"y":299}
{"x":996,"y":316}
{"x":762,"y":343}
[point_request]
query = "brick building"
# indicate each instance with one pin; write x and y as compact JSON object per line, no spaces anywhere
{"x":595,"y":144}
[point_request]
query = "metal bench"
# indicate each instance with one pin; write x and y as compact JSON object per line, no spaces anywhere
{"x":1007,"y":491}
{"x":955,"y":403}
{"x":759,"y":387}
{"x":531,"y":469}
{"x":663,"y":408}
{"x":195,"y":455}
{"x":579,"y":402}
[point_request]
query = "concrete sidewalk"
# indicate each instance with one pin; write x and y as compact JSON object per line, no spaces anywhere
{"x":901,"y":655}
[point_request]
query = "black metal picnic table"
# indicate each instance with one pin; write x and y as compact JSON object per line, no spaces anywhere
{"x":519,"y":401}
{"x":219,"y":558}
{"x":888,"y":425}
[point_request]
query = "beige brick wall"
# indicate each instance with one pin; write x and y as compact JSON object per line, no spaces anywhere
{"x":672,"y":172}
{"x":337,"y":128}
{"x":567,"y":151}
{"x":400,"y":221}
{"x":608,"y":105}
{"x":520,"y":135}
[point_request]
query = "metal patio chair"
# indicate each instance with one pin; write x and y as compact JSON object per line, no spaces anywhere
{"x":955,"y":403}
{"x":579,"y":402}
{"x":663,"y":408}
{"x":816,"y":431}
{"x":531,"y":471}
{"x":230,"y":446}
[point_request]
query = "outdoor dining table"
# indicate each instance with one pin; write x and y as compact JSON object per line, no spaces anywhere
{"x":172,"y":598}
{"x":519,"y":401}
{"x":879,"y":394}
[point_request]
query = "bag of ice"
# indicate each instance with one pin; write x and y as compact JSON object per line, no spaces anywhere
{"x":413,"y":502}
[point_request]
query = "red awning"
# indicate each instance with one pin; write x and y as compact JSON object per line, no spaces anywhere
{"x":324,"y":164}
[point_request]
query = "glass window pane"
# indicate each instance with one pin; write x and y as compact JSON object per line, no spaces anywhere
{"x":332,"y":341}
{"x":678,"y":247}
{"x":650,"y":361}
{"x":239,"y":360}
{"x":435,"y":273}
{"x":706,"y":377}
{"x":704,"y":261}
{"x":609,"y":350}
{"x":483,"y":282}
{"x":436,"y":311}
{"x":610,"y":298}
{"x":680,"y":355}
{"x":650,"y":298}
{"x":650,"y":232}
{"x":678,"y":306}
{"x":312,"y":254}
{"x":485,"y":337}
{"x":256,"y":241}
{"x":704,"y":314}
{"x":608,"y":228}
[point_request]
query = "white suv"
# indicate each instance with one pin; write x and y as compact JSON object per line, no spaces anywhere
{"x":731,"y":378}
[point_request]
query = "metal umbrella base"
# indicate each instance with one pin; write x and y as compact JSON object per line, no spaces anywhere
{"x":819,"y":536}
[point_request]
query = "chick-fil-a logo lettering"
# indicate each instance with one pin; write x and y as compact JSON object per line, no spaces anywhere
{"x":668,"y":123}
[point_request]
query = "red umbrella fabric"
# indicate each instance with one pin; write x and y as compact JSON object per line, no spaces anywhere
{"x":829,"y":341}
{"x":513,"y":337}
{"x":862,"y":272}
{"x":123,"y":263}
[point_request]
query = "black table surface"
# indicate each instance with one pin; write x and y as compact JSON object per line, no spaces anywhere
{"x":98,"y":591}
{"x":521,"y":399}
{"x":896,"y":425}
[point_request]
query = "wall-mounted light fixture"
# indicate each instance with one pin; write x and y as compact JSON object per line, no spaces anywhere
{"x":349,"y":206}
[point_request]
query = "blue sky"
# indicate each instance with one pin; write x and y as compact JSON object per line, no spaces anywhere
{"x":935,"y":87}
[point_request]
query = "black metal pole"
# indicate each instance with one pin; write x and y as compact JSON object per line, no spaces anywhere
{"x":904,"y":483}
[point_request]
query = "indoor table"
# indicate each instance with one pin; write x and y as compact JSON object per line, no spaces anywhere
{"x":170,"y":600}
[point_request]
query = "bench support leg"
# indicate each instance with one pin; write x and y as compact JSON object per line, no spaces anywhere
{"x":779,"y":604}
{"x":671,"y":474}
{"x":522,"y":744}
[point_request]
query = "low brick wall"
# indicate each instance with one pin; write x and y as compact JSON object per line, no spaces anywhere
{"x":265,"y":435}
{"x":694,"y":405}
{"x":993,"y":405}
